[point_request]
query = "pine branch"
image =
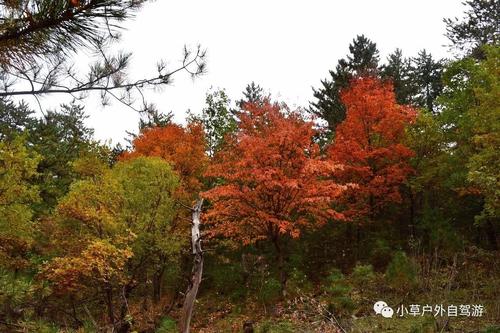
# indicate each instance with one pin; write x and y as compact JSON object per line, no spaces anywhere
{"x":101,"y":78}
{"x":36,"y":37}
{"x":42,"y":28}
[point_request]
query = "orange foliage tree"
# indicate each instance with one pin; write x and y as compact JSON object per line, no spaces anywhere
{"x":183,"y":148}
{"x":273,"y":182}
{"x":369,"y":145}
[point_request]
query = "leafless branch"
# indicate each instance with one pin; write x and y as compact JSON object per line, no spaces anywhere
{"x":105,"y":76}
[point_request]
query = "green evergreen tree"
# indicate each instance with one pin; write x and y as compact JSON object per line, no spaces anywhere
{"x":480,"y":26}
{"x":14,"y":119}
{"x":362,"y":60}
{"x":41,"y":29}
{"x":253,"y":93}
{"x":152,"y":117}
{"x":398,"y":71}
{"x":38,"y":38}
{"x":60,"y":138}
{"x":426,"y":79}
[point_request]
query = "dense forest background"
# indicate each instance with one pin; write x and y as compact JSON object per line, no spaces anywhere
{"x":386,"y":188}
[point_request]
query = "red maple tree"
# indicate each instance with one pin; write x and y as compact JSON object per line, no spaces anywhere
{"x":182,"y":147}
{"x":273,"y":181}
{"x":369,"y":145}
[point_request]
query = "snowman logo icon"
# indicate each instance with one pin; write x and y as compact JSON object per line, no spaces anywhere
{"x":381,"y":308}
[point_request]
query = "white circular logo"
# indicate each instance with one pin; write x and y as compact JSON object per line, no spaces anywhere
{"x":383,"y":309}
{"x":378,"y":306}
{"x":387,"y":312}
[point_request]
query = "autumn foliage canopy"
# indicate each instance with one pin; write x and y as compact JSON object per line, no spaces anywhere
{"x":369,"y":145}
{"x":273,"y":180}
{"x":247,"y":216}
{"x":183,"y":148}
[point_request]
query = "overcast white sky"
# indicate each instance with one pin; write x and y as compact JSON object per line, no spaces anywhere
{"x":285,"y":46}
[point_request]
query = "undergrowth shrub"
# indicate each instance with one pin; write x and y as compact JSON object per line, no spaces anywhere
{"x":401,"y":274}
{"x":338,"y":291}
{"x":167,"y":325}
{"x":269,"y":290}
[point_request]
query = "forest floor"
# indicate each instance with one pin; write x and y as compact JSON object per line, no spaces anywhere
{"x":310,"y":309}
{"x":215,"y":316}
{"x":343,"y":302}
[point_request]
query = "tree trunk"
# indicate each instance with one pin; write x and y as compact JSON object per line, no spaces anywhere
{"x":157,"y":284}
{"x":281,"y":264}
{"x":492,"y":235}
{"x":109,"y":303}
{"x":197,"y":271}
{"x":412,"y":214}
{"x":122,"y":325}
{"x":358,"y":242}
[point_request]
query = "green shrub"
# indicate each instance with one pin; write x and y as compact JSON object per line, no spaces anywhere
{"x":401,"y":273}
{"x":441,"y":232}
{"x":338,"y":291}
{"x":269,"y":291}
{"x":298,"y":282}
{"x":88,"y":327}
{"x":362,"y":275}
{"x":14,"y":290}
{"x":167,"y":325}
{"x":38,"y":326}
{"x":365,"y":284}
{"x":173,"y":274}
{"x":276,"y":327}
{"x":227,"y":279}
{"x":380,"y":255}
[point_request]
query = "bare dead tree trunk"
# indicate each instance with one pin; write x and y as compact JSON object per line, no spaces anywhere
{"x":197,"y":271}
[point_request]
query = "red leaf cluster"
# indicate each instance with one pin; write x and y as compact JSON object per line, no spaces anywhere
{"x":273,"y":180}
{"x":369,"y":145}
{"x":183,"y":148}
